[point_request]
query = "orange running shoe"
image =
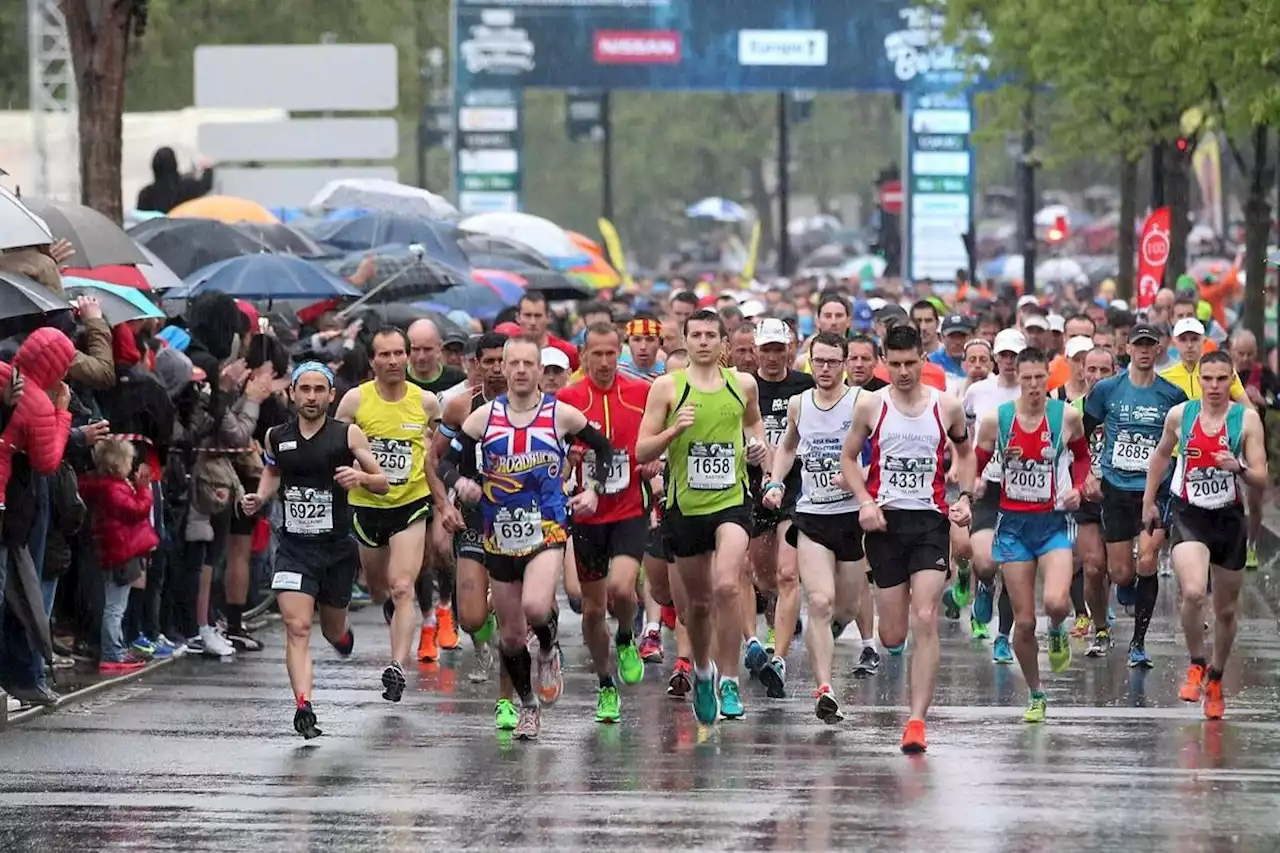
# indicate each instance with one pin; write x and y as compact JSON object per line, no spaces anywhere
{"x":446,"y":628}
{"x":913,"y":741}
{"x":1193,"y":687}
{"x":1214,"y":705}
{"x":427,"y":649}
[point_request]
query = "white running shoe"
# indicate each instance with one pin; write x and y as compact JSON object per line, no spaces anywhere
{"x":215,"y":645}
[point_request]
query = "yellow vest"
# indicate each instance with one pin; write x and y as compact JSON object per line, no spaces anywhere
{"x":397,"y":437}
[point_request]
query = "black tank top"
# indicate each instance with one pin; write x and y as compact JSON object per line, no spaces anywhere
{"x":774,"y":399}
{"x":315,"y":507}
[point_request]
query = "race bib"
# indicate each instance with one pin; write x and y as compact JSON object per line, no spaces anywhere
{"x":818,"y":480}
{"x":909,"y":477}
{"x":619,"y":470}
{"x":1210,"y":488}
{"x":307,"y":511}
{"x":1097,"y":446}
{"x":518,"y":530}
{"x":712,"y":465}
{"x":394,"y":457}
{"x":992,"y":472}
{"x":1028,"y":481}
{"x":1132,"y":451}
{"x":774,"y":428}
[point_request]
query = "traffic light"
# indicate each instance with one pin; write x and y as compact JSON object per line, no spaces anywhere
{"x":1183,"y":145}
{"x":1058,"y":231}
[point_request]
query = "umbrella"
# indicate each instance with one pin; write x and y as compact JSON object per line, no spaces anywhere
{"x":719,"y":209}
{"x":1061,"y":269}
{"x":187,"y":245}
{"x":555,"y":286}
{"x":1201,"y":268}
{"x":508,"y":285}
{"x":224,"y":208}
{"x":866,"y":268}
{"x":476,"y":299}
{"x":119,"y":304}
{"x":827,"y":256}
{"x":597,"y":272}
{"x":439,"y":239}
{"x":378,"y":194}
{"x":96,"y":239}
{"x":19,"y":226}
{"x":267,"y":277}
{"x":22,"y":297}
{"x":412,"y":274}
{"x":542,"y":235}
{"x":401,"y":315}
{"x":281,"y":239}
{"x":1047,"y":216}
{"x":487,"y":246}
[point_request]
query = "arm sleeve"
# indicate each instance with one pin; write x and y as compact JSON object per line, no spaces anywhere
{"x":594,"y":439}
{"x":983,"y":457}
{"x":1080,"y":463}
{"x":459,"y":459}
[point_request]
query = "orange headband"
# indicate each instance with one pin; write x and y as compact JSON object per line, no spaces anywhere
{"x":644,"y":328}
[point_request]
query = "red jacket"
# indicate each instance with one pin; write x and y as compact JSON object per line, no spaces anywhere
{"x":121,"y":518}
{"x":617,"y":413}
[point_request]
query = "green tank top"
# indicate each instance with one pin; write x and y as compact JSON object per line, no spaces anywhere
{"x":708,"y":460}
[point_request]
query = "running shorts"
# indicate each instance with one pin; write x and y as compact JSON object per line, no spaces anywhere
{"x":914,"y":540}
{"x":504,"y":569}
{"x":594,"y":545}
{"x":839,"y":534}
{"x":695,"y":535}
{"x":1122,"y":513}
{"x":1223,"y":531}
{"x":1024,"y":537}
{"x":374,"y":526}
{"x":324,"y":571}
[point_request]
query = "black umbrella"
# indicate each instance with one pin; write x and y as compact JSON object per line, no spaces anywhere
{"x":97,"y":240}
{"x":555,"y":286}
{"x":281,"y":239}
{"x":401,"y":315}
{"x":22,"y":297}
{"x":485,"y":247}
{"x":400,"y":275}
{"x":187,"y":245}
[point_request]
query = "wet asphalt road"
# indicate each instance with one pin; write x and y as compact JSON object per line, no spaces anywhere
{"x":202,"y":756}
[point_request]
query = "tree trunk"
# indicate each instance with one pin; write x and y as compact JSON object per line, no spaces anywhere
{"x":762,"y":201}
{"x":1178,"y":198}
{"x":1257,"y":230}
{"x":99,"y":31}
{"x":1127,"y":242}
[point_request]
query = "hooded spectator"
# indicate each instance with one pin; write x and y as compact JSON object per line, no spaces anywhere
{"x":171,"y":188}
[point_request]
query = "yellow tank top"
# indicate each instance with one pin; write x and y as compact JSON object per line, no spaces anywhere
{"x":396,"y":436}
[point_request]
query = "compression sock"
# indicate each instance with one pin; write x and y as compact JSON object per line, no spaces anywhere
{"x":1077,"y":594}
{"x":1005,"y":608}
{"x":235,"y":618}
{"x":1144,"y":606}
{"x":519,"y":666}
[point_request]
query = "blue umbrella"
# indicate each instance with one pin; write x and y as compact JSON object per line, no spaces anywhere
{"x":266,"y":277}
{"x":476,"y":299}
{"x":719,"y":209}
{"x":119,"y":304}
{"x":440,"y":239}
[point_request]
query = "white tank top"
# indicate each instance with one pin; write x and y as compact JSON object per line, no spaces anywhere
{"x":906,"y":470}
{"x":822,"y":433}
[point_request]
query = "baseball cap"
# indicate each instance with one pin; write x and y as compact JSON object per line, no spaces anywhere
{"x":1144,"y":332}
{"x":956,"y":323}
{"x":751,"y":308}
{"x":1024,"y":301}
{"x":1057,"y":323}
{"x":891,"y":311}
{"x":1187,"y":324}
{"x":1077,"y":345}
{"x":455,"y":339}
{"x":863,"y":315}
{"x":552,"y":357}
{"x":772,"y":331}
{"x":1009,"y":340}
{"x":1036,"y":321}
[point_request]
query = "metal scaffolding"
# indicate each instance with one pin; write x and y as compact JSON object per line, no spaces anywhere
{"x":53,"y":103}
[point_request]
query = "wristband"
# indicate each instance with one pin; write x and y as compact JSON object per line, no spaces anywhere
{"x":773,"y":484}
{"x":866,"y":504}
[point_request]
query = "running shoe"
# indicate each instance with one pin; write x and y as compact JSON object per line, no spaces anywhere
{"x":195,"y":644}
{"x":771,"y":640}
{"x":913,"y":740}
{"x":773,"y":676}
{"x":1035,"y":709}
{"x":161,"y":651}
{"x":428,"y":651}
{"x":1214,"y":705}
{"x":214,"y":644}
{"x":1001,"y":651}
{"x":346,"y":644}
{"x":651,"y":647}
{"x":706,"y":705}
{"x":608,"y":705}
{"x":179,"y":648}
{"x":505,"y":715}
{"x":446,"y":628}
{"x":63,"y":661}
{"x":1082,"y":626}
{"x":668,"y":617}
{"x":755,"y":658}
{"x":1100,"y":646}
{"x":730,"y":700}
{"x":388,"y":610}
{"x":550,"y":677}
{"x":304,"y":721}
{"x":482,"y":666}
{"x":630,"y":666}
{"x":1059,"y":649}
{"x":393,"y":682}
{"x":984,"y":601}
{"x":828,"y":709}
{"x":950,"y":609}
{"x":1138,"y":657}
{"x":359,"y":595}
{"x":530,"y":722}
{"x":243,"y":640}
{"x":1251,"y":558}
{"x":1193,"y":688}
{"x":142,"y":647}
{"x":868,"y":664}
{"x":681,"y":681}
{"x":979,"y":630}
{"x":121,"y":667}
{"x":960,"y":587}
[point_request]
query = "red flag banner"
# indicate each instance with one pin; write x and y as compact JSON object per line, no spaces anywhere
{"x":1153,"y":254}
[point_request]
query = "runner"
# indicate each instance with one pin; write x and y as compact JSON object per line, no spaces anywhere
{"x":1091,"y":551}
{"x":1212,"y":436}
{"x":391,"y":528}
{"x":701,"y":416}
{"x":1073,"y":390}
{"x":903,"y":508}
{"x":827,"y":536}
{"x":644,"y":345}
{"x":1132,"y":406}
{"x":770,"y":557}
{"x":316,"y":560}
{"x":520,"y":437}
{"x":608,"y":546}
{"x":1032,"y":435}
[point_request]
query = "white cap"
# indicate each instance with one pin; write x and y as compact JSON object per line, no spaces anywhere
{"x":1037,"y":321}
{"x":1029,"y":299}
{"x":1078,"y":344}
{"x":1057,"y":323}
{"x":751,"y":308}
{"x":552,"y":357}
{"x":1188,"y":324}
{"x":1010,"y":340}
{"x":875,"y":303}
{"x":772,"y":331}
{"x":1119,"y":304}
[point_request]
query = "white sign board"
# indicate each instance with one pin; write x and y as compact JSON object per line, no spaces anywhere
{"x":290,"y":187}
{"x":300,"y":139}
{"x":782,"y":47}
{"x":297,"y":76}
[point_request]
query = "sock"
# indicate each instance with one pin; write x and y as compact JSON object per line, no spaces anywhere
{"x":652,"y":628}
{"x":869,"y":643}
{"x":1059,"y":628}
{"x":485,"y":632}
{"x":623,"y":636}
{"x":1215,"y":674}
{"x":703,"y":673}
{"x":1005,"y":608}
{"x":606,"y":681}
{"x":543,"y":633}
{"x":519,"y":667}
{"x":752,"y":639}
{"x":1144,"y":606}
{"x":429,"y":618}
{"x":732,"y":679}
{"x":1037,"y":694}
{"x":235,"y":615}
{"x":1200,"y":662}
{"x":302,"y":701}
{"x":1077,"y":594}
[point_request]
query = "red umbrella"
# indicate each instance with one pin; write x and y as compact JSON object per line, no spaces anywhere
{"x":125,"y":276}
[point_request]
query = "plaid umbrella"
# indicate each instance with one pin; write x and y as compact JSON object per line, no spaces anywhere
{"x":383,"y":196}
{"x":408,"y":269}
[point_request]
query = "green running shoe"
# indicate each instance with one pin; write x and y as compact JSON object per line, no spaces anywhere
{"x":960,"y":588}
{"x":1251,"y":558}
{"x":950,"y":609}
{"x":770,"y":638}
{"x":505,"y":715}
{"x":980,"y":630}
{"x":630,"y":666}
{"x":608,"y":705}
{"x":1059,"y":649}
{"x":1035,"y":709}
